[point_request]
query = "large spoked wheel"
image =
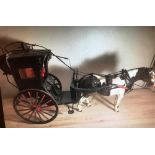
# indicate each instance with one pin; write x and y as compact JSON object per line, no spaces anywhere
{"x":35,"y":106}
{"x":53,"y":85}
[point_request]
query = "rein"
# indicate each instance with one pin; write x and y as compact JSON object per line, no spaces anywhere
{"x":123,"y":75}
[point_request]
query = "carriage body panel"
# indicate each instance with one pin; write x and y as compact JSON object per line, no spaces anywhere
{"x":27,"y":68}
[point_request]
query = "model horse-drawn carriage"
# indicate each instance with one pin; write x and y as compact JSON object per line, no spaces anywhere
{"x":40,"y":92}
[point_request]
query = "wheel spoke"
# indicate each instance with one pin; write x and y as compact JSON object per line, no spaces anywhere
{"x":56,"y":86}
{"x":49,"y":110}
{"x":56,"y":83}
{"x":21,"y":100}
{"x":55,"y":80}
{"x":44,"y":115}
{"x":23,"y":96}
{"x":24,"y":109}
{"x":47,"y":113}
{"x":29,"y":94}
{"x":35,"y":115}
{"x":39,"y":116}
{"x":47,"y":106}
{"x":31,"y":115}
{"x":26,"y":113}
{"x":46,"y":103}
{"x":22,"y":105}
{"x":41,"y":99}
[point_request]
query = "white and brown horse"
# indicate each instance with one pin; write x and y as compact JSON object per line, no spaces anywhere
{"x":114,"y":84}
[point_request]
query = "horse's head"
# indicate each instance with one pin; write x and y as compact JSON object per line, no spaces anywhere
{"x":145,"y":74}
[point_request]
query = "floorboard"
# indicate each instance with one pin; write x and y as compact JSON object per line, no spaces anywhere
{"x":136,"y":111}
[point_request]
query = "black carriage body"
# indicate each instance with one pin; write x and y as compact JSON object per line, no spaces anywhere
{"x":29,"y":69}
{"x":39,"y":91}
{"x":3,"y":65}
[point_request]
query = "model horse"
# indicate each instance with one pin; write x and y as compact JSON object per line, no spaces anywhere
{"x":114,"y":84}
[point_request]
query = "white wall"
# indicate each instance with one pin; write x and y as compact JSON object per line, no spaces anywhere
{"x":122,"y":47}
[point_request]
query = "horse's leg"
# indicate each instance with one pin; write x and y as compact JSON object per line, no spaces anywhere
{"x":119,"y":92}
{"x":118,"y":100}
{"x":90,"y":99}
{"x":79,"y":106}
{"x":85,"y":100}
{"x":81,"y":103}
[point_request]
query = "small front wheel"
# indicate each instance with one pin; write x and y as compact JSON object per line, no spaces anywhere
{"x":53,"y":85}
{"x":35,"y":106}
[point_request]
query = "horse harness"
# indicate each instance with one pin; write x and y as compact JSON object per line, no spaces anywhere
{"x":90,"y":81}
{"x":128,"y":80}
{"x":124,"y":76}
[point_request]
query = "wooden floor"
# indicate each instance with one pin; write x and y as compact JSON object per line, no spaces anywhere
{"x":136,"y":110}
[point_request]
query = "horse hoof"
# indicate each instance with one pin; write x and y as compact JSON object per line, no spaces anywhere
{"x":79,"y":110}
{"x":89,"y":105}
{"x":116,"y":110}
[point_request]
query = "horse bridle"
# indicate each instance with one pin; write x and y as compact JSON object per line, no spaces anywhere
{"x":125,"y":76}
{"x":128,"y":80}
